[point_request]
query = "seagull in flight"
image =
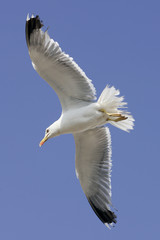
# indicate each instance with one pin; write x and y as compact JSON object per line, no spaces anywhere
{"x":82,"y":115}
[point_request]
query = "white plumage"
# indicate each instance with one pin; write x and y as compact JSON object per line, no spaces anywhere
{"x":81,"y":115}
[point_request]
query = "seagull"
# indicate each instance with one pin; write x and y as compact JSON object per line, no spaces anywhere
{"x":82,"y":115}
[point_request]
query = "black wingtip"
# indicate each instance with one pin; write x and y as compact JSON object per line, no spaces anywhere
{"x":106,"y":216}
{"x":32,"y":24}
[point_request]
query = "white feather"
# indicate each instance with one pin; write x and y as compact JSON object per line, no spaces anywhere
{"x":112,"y":103}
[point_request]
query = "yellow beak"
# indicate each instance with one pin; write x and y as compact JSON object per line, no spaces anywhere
{"x":43,"y":140}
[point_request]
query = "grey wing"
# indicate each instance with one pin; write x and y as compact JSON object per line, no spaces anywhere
{"x":93,"y":168}
{"x":57,"y":68}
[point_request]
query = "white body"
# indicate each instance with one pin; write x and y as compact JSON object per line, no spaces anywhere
{"x":82,"y":119}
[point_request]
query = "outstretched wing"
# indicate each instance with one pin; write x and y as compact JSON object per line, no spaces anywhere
{"x":57,"y":68}
{"x":93,"y":168}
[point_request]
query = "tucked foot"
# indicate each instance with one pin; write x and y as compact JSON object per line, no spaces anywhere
{"x":116,"y":117}
{"x":120,"y":118}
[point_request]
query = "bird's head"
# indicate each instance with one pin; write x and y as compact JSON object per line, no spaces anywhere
{"x":50,"y":132}
{"x":46,"y":136}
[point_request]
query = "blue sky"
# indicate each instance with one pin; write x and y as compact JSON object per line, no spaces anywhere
{"x":115,"y":43}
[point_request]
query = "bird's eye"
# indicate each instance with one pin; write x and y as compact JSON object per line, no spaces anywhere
{"x":47,"y":131}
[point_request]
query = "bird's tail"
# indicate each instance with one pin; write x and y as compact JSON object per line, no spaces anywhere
{"x":114,"y":106}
